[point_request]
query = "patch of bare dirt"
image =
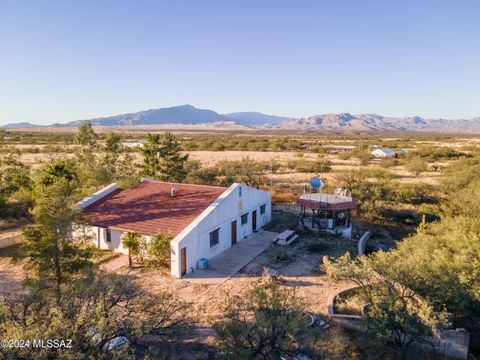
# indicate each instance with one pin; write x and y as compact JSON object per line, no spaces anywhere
{"x":11,"y":275}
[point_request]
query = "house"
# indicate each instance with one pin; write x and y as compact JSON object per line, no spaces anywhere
{"x":383,"y":153}
{"x":202,"y":220}
{"x":330,"y":213}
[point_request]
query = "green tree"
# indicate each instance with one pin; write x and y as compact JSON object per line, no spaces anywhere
{"x":112,"y":152}
{"x":396,"y":313}
{"x":172,"y":162}
{"x":248,"y":171}
{"x":159,"y":249}
{"x":132,"y":242}
{"x":151,"y":156}
{"x":113,"y":144}
{"x":47,"y":248}
{"x":264,"y":324}
{"x":56,"y":171}
{"x":91,"y":173}
{"x":196,"y":174}
{"x":86,"y":136}
{"x":15,"y":183}
{"x":127,"y":171}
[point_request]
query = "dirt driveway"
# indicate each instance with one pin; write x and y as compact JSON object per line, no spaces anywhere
{"x":298,"y":266}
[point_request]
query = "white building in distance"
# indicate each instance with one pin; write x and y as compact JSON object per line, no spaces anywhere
{"x":383,"y":153}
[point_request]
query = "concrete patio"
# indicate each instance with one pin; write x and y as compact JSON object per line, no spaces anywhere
{"x":232,"y":260}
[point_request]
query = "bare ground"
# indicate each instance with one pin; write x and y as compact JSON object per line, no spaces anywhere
{"x":11,"y":275}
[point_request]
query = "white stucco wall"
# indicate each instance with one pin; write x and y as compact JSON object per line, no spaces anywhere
{"x":98,"y":236}
{"x":228,"y":207}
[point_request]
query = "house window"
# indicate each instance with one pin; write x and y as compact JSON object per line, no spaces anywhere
{"x":244,"y":219}
{"x":214,"y":237}
{"x":262,"y":209}
{"x":108,"y":235}
{"x":240,"y":192}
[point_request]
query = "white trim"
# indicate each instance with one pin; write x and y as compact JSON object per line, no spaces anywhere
{"x":89,"y":200}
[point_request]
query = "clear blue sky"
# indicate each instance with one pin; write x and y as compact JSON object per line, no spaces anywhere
{"x":66,"y":60}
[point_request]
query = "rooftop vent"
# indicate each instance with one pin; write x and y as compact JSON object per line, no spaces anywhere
{"x":173,"y":191}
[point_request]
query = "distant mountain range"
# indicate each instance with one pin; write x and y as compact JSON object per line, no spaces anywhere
{"x":21,"y":125}
{"x":190,"y":117}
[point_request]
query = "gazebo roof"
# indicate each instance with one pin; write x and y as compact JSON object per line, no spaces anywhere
{"x":327,"y":201}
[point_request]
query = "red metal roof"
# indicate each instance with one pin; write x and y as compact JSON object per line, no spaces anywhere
{"x":327,"y":201}
{"x":149,"y":209}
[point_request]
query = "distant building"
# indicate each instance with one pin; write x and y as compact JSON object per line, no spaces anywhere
{"x":139,"y":143}
{"x":201,"y":220}
{"x":341,"y":148}
{"x":383,"y":153}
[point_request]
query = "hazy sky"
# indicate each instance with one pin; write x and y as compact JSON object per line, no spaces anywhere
{"x":67,"y":60}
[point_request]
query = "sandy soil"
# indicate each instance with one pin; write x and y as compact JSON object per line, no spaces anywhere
{"x":298,"y":268}
{"x":11,"y":275}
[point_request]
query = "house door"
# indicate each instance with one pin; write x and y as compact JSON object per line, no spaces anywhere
{"x":254,"y":220}
{"x":234,"y":232}
{"x":183,"y":260}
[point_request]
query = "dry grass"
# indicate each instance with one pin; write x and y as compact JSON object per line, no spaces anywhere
{"x":339,"y":161}
{"x":349,"y":303}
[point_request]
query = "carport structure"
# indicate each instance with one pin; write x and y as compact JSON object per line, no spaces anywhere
{"x":328,"y":212}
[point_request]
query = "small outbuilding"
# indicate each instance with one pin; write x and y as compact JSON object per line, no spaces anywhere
{"x":383,"y":153}
{"x":341,"y":148}
{"x":328,"y":212}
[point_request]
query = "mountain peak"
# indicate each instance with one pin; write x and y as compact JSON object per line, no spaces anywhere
{"x":187,"y":115}
{"x":21,"y":125}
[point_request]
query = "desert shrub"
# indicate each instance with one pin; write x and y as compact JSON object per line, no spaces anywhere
{"x":282,"y":197}
{"x":247,"y":170}
{"x":159,"y":249}
{"x":265,"y":323}
{"x":414,"y":193}
{"x":364,"y":157}
{"x":310,"y":166}
{"x":196,"y":174}
{"x":388,"y":163}
{"x":378,"y":175}
{"x":15,"y":184}
{"x":436,"y":153}
{"x":345,"y":155}
{"x":416,"y":166}
{"x":93,"y":312}
{"x":31,"y":150}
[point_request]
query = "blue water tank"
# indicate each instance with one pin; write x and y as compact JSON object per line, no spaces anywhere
{"x":202,"y":263}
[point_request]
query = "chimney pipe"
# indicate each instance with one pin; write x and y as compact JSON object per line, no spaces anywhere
{"x":173,"y":191}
